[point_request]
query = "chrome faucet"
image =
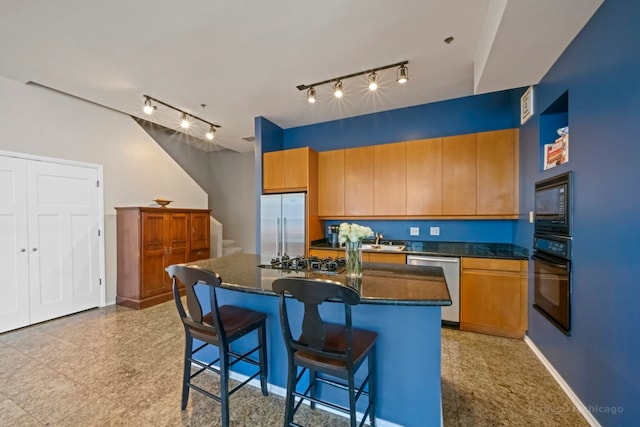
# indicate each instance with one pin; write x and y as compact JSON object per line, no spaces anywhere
{"x":378,"y":237}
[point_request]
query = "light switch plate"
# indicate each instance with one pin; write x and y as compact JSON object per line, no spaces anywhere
{"x":434,"y":231}
{"x":414,"y":231}
{"x":530,"y":217}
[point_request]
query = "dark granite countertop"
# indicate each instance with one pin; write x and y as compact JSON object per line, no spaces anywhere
{"x":389,"y":284}
{"x":456,"y":249}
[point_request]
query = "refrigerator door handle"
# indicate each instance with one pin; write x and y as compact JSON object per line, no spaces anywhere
{"x":284,"y":235}
{"x":278,"y":235}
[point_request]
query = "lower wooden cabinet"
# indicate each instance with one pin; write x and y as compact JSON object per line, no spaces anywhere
{"x":326,"y":253}
{"x":366,"y":256}
{"x":151,"y":239}
{"x":493,"y":296}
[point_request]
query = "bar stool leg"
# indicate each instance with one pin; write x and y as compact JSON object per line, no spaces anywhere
{"x":186,"y":370}
{"x":352,"y":400}
{"x":224,"y":386}
{"x":372,"y":386}
{"x":312,"y":381}
{"x":289,"y":401}
{"x":262,"y":341}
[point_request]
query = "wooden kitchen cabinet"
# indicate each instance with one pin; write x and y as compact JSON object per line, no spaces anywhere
{"x":151,"y":239}
{"x":473,"y":176}
{"x":331,"y":183}
{"x":327,"y":253}
{"x":286,"y":170}
{"x":459,"y":175}
{"x":424,"y":177}
{"x":384,"y":257}
{"x":390,"y":179}
{"x":497,"y":173}
{"x":358,"y":179}
{"x":493,"y":296}
{"x":200,"y":245}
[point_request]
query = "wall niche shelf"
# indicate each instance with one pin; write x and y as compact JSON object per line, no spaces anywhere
{"x":554,"y":148}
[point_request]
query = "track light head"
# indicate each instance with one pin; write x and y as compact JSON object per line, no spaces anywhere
{"x":211,"y":133}
{"x":337,"y":89}
{"x":184,"y":123}
{"x":148,"y":108}
{"x":373,"y":81}
{"x":311,"y":95}
{"x":403,"y":74}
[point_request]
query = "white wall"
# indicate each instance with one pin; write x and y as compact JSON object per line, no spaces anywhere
{"x":228,"y":178}
{"x":233,"y":198}
{"x":41,"y":122}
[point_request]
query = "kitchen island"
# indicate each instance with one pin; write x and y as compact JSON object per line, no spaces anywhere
{"x":401,"y":303}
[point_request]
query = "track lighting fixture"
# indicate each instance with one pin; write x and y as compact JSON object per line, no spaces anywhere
{"x":373,"y":81}
{"x":184,"y":122}
{"x":337,"y":89}
{"x":402,"y":77}
{"x":186,"y":119}
{"x":211,"y":134}
{"x":311,"y":95}
{"x":148,"y":108}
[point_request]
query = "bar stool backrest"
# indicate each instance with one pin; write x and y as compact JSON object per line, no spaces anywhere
{"x":312,"y":293}
{"x":190,"y":276}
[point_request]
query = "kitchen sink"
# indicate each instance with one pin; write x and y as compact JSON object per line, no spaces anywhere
{"x":382,"y":248}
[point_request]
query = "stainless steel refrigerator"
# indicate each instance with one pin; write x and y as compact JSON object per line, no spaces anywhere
{"x":282,"y":225}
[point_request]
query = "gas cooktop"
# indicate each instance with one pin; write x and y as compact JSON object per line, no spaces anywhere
{"x":313,"y":263}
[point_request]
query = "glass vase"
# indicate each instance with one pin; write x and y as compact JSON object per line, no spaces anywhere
{"x":353,"y":259}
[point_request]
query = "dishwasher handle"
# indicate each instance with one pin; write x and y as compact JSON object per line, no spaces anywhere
{"x":452,"y":260}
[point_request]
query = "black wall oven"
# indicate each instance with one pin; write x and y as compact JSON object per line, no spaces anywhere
{"x":552,"y":250}
{"x":552,"y":279}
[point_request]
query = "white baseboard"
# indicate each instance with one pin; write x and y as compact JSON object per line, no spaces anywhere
{"x":280,"y":391}
{"x":588,"y":416}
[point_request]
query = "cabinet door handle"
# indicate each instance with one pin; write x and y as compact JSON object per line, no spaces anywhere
{"x":34,"y":249}
{"x":23,"y":250}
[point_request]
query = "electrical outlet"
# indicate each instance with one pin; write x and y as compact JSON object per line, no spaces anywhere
{"x":434,"y":231}
{"x":414,"y":231}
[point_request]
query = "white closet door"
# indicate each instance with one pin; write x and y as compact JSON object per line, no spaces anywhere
{"x":14,"y":286}
{"x":63,"y":239}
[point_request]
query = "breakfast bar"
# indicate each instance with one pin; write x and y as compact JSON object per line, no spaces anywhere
{"x":401,"y":303}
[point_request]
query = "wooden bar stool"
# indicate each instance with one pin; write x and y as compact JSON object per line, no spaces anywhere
{"x":334,"y":350}
{"x":220,"y":327}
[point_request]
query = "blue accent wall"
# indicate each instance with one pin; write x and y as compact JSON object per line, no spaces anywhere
{"x":601,"y":72}
{"x":471,"y":114}
{"x":268,"y":138}
{"x":450,"y":231}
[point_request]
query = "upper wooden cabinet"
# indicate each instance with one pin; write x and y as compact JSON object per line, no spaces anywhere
{"x":358,"y":179}
{"x":456,"y":177}
{"x":331,"y":183}
{"x":286,"y":170}
{"x":390,"y":179}
{"x":459,"y":175}
{"x":424,"y":177}
{"x":497,"y":173}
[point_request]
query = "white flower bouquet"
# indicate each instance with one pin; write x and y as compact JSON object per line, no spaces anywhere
{"x":353,"y":232}
{"x":351,"y":235}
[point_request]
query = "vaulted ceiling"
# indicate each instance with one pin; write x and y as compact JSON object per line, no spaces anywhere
{"x":230,"y":61}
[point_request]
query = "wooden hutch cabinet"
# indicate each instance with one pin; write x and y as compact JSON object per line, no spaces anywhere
{"x":151,"y":239}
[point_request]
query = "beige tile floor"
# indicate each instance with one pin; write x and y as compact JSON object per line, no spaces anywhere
{"x":110,"y":366}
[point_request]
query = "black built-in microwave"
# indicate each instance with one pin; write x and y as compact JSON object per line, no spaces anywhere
{"x":553,"y":205}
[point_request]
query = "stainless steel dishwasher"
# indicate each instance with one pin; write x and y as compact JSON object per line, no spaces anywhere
{"x":451,"y":268}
